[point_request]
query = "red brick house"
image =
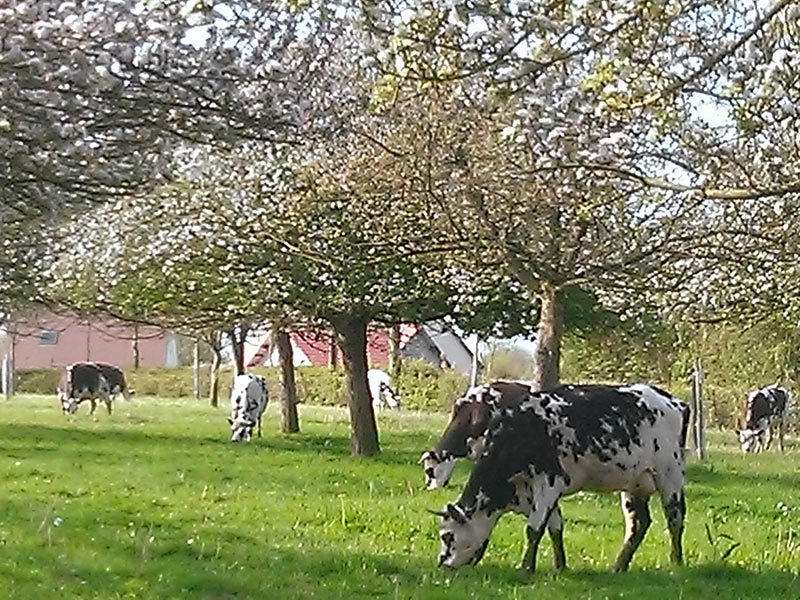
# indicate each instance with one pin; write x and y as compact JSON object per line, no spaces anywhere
{"x":432,"y":342}
{"x":50,"y":340}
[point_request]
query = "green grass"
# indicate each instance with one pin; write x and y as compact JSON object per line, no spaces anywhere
{"x":154,"y":502}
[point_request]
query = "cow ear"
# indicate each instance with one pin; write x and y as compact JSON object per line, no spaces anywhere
{"x":425,"y":455}
{"x":456,"y":513}
{"x":230,"y":421}
{"x":438,"y":513}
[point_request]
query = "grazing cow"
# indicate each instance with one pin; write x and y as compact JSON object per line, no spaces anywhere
{"x":90,"y":381}
{"x":117,"y":385}
{"x":380,"y":389}
{"x":766,"y":407}
{"x":465,"y":433}
{"x":555,"y":443}
{"x":249,"y":398}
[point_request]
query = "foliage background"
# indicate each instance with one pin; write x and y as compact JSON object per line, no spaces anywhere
{"x":736,"y":358}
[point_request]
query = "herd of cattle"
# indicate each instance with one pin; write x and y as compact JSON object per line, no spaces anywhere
{"x":531,"y":448}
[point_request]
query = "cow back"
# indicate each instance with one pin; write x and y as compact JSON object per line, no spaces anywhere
{"x":473,"y":412}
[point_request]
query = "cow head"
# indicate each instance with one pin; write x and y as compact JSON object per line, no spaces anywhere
{"x":464,"y":534}
{"x":241,"y":430}
{"x":438,"y":467}
{"x":750,"y":439}
{"x":68,"y":405}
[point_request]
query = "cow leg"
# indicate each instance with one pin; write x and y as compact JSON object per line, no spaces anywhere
{"x":780,"y":435}
{"x":108,"y":404}
{"x":675,"y":511}
{"x":259,"y":425}
{"x":93,"y":405}
{"x":768,"y":435}
{"x":546,"y":499}
{"x":555,"y":527}
{"x":637,"y":520}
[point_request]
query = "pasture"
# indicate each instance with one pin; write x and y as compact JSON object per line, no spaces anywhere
{"x":154,"y":502}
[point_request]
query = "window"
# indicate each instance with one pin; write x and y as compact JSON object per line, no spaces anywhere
{"x":48,"y":337}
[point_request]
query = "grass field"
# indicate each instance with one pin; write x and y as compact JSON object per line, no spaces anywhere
{"x":154,"y":502}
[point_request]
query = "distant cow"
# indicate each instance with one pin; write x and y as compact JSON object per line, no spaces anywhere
{"x":249,"y":399}
{"x":90,"y":381}
{"x":466,"y":430}
{"x":766,"y":408}
{"x":380,"y":389}
{"x":555,"y":443}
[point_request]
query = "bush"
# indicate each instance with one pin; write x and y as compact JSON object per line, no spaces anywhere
{"x":509,"y":364}
{"x":421,"y":386}
{"x":37,"y":381}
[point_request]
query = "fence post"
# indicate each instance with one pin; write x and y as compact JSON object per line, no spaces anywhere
{"x":698,"y":384}
{"x":5,"y":378}
{"x":8,"y":369}
{"x":196,"y":369}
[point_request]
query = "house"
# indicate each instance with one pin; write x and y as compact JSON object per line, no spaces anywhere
{"x":47,"y":340}
{"x":434,"y":343}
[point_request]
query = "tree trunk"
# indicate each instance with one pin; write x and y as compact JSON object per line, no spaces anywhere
{"x":395,"y":363}
{"x":213,"y":392}
{"x":289,"y":421}
{"x":351,"y":334}
{"x":333,"y":356}
{"x":135,"y":347}
{"x":237,"y":340}
{"x":547,"y":357}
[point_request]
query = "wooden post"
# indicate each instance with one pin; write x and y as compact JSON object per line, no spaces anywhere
{"x":698,"y":381}
{"x":8,"y":369}
{"x":196,"y":370}
{"x":7,"y":375}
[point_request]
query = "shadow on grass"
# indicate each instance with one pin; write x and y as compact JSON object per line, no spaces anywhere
{"x":279,"y":572}
{"x":16,"y":436}
{"x":706,"y":474}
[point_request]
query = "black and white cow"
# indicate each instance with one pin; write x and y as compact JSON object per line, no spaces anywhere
{"x":249,"y":399}
{"x":464,"y":435}
{"x":91,"y":381}
{"x":381,"y":390}
{"x":555,"y":443}
{"x":766,"y":407}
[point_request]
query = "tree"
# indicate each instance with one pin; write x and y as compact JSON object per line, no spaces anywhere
{"x":102,"y":97}
{"x":289,"y":420}
{"x":570,"y":143}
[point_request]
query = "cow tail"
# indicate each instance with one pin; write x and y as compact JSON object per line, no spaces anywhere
{"x":686,"y":414}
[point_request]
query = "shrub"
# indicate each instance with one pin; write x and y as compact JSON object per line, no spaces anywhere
{"x":421,"y":386}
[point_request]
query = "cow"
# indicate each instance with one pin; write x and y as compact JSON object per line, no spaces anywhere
{"x":249,"y":397}
{"x":555,"y":443}
{"x":766,"y":407}
{"x":380,"y":389}
{"x":464,"y":434}
{"x":91,"y":381}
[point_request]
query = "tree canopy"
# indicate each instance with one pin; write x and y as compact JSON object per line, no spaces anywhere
{"x":358,"y":161}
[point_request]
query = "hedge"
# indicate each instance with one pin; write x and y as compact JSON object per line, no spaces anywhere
{"x":420,"y":386}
